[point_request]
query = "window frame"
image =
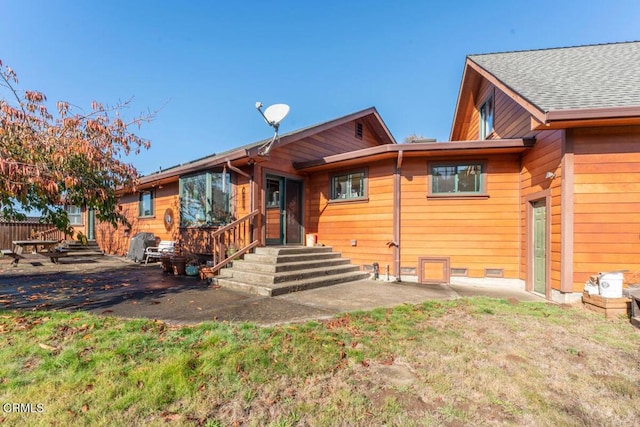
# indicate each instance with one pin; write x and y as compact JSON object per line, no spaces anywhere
{"x":482,"y":193}
{"x":141,"y":197}
{"x":485,"y":131}
{"x":332,"y":186}
{"x":71,"y":215}
{"x":208,"y":220}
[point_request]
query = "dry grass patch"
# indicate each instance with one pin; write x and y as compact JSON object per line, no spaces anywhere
{"x":466,"y":362}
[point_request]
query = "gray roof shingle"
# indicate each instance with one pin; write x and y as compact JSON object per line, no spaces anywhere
{"x":595,"y":76}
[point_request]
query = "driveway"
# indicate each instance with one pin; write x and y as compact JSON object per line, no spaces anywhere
{"x":118,"y":287}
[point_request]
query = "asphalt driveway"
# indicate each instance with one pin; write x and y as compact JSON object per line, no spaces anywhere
{"x":118,"y":287}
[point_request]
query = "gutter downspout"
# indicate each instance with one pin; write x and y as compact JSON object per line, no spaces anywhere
{"x":251,"y":190}
{"x":396,"y":215}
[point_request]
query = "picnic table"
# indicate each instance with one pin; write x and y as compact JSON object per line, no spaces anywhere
{"x":39,"y":248}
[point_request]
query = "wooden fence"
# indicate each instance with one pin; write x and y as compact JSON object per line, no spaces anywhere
{"x":25,"y":230}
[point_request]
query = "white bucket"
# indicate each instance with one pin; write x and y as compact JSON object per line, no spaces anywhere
{"x":610,"y":284}
{"x":312,"y":239}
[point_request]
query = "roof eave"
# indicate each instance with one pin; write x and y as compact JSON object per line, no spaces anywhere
{"x":426,"y":148}
{"x":195,"y":166}
{"x":592,"y":113}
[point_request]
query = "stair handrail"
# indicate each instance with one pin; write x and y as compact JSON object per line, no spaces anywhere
{"x":52,"y":234}
{"x":233,"y":229}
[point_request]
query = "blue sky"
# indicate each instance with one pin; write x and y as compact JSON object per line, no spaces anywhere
{"x":206,"y":63}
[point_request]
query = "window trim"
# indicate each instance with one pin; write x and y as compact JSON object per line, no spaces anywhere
{"x":365,"y":190}
{"x":482,"y":194}
{"x":152,"y":194}
{"x":75,"y":215}
{"x":208,"y":174}
{"x":483,"y":131}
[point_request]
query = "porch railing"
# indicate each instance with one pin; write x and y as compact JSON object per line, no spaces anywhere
{"x":232,"y":241}
{"x":52,"y":234}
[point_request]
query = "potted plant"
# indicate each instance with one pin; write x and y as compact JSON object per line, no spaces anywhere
{"x":165,"y":263}
{"x":191,"y":268}
{"x":178,"y":262}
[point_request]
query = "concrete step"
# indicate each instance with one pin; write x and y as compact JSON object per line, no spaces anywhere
{"x":277,"y":270}
{"x":279,"y":267}
{"x":270,"y":258}
{"x":76,"y":249}
{"x":83,"y":253}
{"x":275,"y":289}
{"x":292,"y":250}
{"x":286,"y":276}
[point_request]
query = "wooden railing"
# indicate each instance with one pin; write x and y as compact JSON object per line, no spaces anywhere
{"x":232,"y":241}
{"x":52,"y":234}
{"x":26,"y":230}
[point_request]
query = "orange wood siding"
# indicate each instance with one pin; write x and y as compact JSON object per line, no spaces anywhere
{"x":606,"y":201}
{"x":546,"y":156}
{"x":368,"y":222}
{"x":475,"y":233}
{"x":339,"y":139}
{"x":510,"y":120}
{"x":115,"y":241}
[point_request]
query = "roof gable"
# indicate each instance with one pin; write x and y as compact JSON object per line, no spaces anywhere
{"x":595,"y":81}
{"x":369,"y":117}
{"x":596,"y":76}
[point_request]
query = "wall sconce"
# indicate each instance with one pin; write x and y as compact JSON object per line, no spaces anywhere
{"x":550,"y":175}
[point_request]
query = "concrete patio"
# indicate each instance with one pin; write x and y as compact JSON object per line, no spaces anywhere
{"x":115,"y":286}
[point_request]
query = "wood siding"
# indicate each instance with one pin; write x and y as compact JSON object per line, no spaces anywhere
{"x":606,"y":201}
{"x":476,"y":234}
{"x":368,"y":222}
{"x":116,"y":240}
{"x":510,"y":120}
{"x":546,"y":156}
{"x":336,"y":140}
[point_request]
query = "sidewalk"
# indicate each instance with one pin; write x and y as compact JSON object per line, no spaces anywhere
{"x":117,"y":287}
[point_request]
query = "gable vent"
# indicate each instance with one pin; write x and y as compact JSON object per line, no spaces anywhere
{"x":358,"y":130}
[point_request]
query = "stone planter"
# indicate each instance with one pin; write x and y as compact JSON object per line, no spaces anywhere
{"x":179,"y":264}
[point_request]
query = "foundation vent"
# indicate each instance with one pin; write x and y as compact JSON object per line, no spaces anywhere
{"x":460,"y":272}
{"x":493,"y":272}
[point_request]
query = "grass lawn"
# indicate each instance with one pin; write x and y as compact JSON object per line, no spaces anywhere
{"x":466,"y":362}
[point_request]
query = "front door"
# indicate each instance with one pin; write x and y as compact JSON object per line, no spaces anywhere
{"x":91,"y":224}
{"x":283,"y":210}
{"x":539,"y":246}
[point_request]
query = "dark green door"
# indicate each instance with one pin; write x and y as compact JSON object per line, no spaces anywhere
{"x":539,"y":246}
{"x":283,"y":211}
{"x":91,"y":224}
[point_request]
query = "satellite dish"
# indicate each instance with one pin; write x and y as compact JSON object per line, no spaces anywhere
{"x":273,"y":115}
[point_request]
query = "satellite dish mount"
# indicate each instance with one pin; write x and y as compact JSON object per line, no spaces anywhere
{"x":273,"y":115}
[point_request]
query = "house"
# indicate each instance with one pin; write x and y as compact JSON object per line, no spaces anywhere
{"x":540,"y":181}
{"x":189,"y":202}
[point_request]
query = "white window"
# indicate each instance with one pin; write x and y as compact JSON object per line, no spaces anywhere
{"x":74,"y":213}
{"x":145,"y":205}
{"x":486,"y":118}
